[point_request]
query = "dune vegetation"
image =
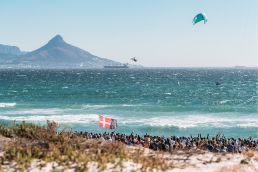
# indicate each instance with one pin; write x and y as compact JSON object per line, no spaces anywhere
{"x":68,"y":149}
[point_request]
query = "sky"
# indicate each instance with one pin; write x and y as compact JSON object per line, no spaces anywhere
{"x":158,"y":33}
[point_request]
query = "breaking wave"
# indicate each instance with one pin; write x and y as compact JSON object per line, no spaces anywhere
{"x":192,"y":121}
{"x":47,"y":111}
{"x":3,"y":105}
{"x":57,"y":118}
{"x":184,"y":121}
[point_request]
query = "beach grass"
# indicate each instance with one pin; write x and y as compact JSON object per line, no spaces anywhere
{"x":28,"y":146}
{"x":68,"y":150}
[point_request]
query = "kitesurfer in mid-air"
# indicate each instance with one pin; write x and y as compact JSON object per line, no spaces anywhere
{"x":134,"y":59}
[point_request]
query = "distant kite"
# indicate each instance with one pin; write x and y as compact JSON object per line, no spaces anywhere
{"x":134,"y":59}
{"x":200,"y":17}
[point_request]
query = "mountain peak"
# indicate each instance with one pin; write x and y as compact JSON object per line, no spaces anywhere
{"x":56,"y":39}
{"x":59,"y":54}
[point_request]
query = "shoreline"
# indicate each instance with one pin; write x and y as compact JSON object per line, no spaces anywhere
{"x":41,"y":148}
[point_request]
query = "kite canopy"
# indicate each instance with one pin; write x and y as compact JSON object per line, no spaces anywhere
{"x":200,"y":17}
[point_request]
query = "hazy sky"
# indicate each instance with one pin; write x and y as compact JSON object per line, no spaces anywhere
{"x":159,"y":33}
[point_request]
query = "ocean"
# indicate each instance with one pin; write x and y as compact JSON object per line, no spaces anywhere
{"x":171,"y":101}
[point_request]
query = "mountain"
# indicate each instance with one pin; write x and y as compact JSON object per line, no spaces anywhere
{"x":7,"y":52}
{"x":11,"y":50}
{"x":59,"y":54}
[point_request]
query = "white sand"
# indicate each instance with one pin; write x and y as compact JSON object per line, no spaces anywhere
{"x":207,"y":162}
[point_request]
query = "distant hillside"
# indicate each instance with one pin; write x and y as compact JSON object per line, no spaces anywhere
{"x":12,"y":50}
{"x":55,"y":54}
{"x":8,"y":52}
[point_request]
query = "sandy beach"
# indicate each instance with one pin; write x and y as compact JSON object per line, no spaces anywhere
{"x":28,"y":148}
{"x":182,"y":162}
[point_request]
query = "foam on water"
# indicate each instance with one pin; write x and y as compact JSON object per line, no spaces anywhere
{"x":224,"y":101}
{"x":47,"y":111}
{"x":79,"y":118}
{"x":168,"y":93}
{"x":102,"y":106}
{"x":189,"y":121}
{"x":3,"y":105}
{"x":94,"y":107}
{"x":192,"y":121}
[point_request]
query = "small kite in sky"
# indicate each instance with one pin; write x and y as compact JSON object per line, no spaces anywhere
{"x":200,"y":17}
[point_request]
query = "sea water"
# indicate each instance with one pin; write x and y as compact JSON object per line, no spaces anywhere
{"x":164,"y":102}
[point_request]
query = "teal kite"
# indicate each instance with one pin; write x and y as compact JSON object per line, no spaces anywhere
{"x":200,"y":17}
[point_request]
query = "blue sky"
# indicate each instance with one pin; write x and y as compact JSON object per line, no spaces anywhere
{"x":159,"y":33}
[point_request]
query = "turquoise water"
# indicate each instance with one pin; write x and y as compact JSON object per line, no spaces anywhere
{"x":155,"y":101}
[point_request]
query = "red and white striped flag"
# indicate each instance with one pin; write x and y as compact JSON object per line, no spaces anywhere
{"x":107,"y":122}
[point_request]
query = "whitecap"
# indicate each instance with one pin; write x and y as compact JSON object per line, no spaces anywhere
{"x":224,"y":101}
{"x":127,"y":105}
{"x":216,"y":120}
{"x":102,"y":106}
{"x":191,"y":121}
{"x":21,"y":75}
{"x":168,"y":93}
{"x":47,"y":111}
{"x":57,"y":118}
{"x":2,"y":105}
{"x":94,"y":107}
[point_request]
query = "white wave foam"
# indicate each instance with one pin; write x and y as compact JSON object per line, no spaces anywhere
{"x":22,"y":75}
{"x":56,"y":111}
{"x":190,"y":121}
{"x":48,"y":111}
{"x":224,"y":101}
{"x":128,"y":105}
{"x":58,"y":118}
{"x":95,"y":107}
{"x":2,"y":105}
{"x":92,"y":107}
{"x":168,"y":93}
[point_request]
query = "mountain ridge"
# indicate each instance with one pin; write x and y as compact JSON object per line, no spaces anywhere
{"x":57,"y":53}
{"x":9,"y":49}
{"x":8,"y":52}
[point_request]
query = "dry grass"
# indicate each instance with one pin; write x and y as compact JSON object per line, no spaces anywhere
{"x":69,"y":150}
